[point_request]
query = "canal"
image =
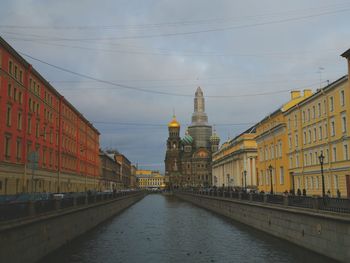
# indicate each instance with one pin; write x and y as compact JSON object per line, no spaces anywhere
{"x":165,"y":229}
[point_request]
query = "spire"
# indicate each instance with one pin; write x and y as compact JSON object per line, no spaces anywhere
{"x":199,"y":117}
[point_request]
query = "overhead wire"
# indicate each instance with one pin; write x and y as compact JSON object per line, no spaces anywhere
{"x":128,"y":87}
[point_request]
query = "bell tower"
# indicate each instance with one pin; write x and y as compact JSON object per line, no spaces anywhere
{"x":173,"y":152}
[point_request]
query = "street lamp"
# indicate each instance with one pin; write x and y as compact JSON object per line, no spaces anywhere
{"x":321,"y":159}
{"x":245,"y":180}
{"x":270,"y":169}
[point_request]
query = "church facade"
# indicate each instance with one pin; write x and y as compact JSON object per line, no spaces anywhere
{"x":188,"y":159}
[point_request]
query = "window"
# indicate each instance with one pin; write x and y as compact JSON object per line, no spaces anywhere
{"x":332,"y":127}
{"x":311,"y":159}
{"x":303,"y":116}
{"x":327,"y":156}
{"x":315,"y":134}
{"x":343,"y":122}
{"x":313,"y":112}
{"x":290,"y":142}
{"x":18,"y":149}
{"x":309,"y":140}
{"x":291,"y":162}
{"x":20,"y":98}
{"x":334,"y":154}
{"x":7,"y":146}
{"x":311,"y":182}
{"x":320,"y":132}
{"x":9,"y":90}
{"x":346,"y":152}
{"x":19,"y":121}
{"x":305,"y":159}
{"x":319,"y":109}
{"x":21,"y":76}
{"x":308,"y":115}
{"x":342,"y":98}
{"x":8,"y":116}
{"x":317,"y":182}
{"x":297,"y":160}
{"x":326,"y":130}
{"x":10,"y":67}
{"x":295,"y":121}
{"x":281,"y":175}
{"x":304,"y":138}
{"x":306,"y":183}
{"x":331,"y":104}
{"x":29,"y":125}
{"x":296,"y":140}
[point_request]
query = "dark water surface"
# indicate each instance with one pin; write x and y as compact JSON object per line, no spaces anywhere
{"x":165,"y":229}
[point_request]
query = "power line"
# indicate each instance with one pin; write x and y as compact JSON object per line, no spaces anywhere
{"x":173,"y":23}
{"x":118,"y":85}
{"x":298,"y":18}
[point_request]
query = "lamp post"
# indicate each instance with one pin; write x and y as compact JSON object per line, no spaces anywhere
{"x":270,"y":169}
{"x":245,"y":180}
{"x":321,"y":159}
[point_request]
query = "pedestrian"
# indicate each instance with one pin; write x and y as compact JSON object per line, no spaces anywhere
{"x":304,"y":192}
{"x":338,"y":193}
{"x":328,"y":193}
{"x":299,"y":192}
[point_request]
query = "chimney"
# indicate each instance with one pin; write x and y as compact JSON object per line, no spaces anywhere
{"x":294,"y":94}
{"x":307,"y":93}
{"x":346,"y":55}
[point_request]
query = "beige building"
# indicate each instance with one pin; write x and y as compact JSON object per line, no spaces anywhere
{"x":150,"y":179}
{"x":320,"y":124}
{"x":234,"y":164}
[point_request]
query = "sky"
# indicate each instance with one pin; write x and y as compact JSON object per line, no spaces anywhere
{"x":127,"y":65}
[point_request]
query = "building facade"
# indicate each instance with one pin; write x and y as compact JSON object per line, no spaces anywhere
{"x":271,"y":138}
{"x":234,"y":164}
{"x":320,"y":125}
{"x":188,"y":160}
{"x":147,"y":179}
{"x":45,"y":143}
{"x":110,"y":178}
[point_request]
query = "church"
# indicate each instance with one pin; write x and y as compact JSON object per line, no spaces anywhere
{"x":188,"y":160}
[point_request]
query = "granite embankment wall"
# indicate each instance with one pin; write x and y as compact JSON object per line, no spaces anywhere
{"x":29,"y":239}
{"x":323,"y":232}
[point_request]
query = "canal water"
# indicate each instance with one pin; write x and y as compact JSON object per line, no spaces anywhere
{"x":165,"y":229}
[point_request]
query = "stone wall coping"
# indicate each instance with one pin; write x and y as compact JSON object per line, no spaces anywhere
{"x":299,"y":210}
{"x":21,"y":222}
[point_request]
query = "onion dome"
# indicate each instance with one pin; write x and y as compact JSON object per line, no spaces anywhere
{"x":174,"y":123}
{"x":187,"y":140}
{"x":215,"y":139}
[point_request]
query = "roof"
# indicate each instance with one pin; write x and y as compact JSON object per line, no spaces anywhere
{"x":319,"y":91}
{"x":346,"y":54}
{"x":27,"y":65}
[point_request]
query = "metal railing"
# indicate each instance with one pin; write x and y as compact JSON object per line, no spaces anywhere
{"x":11,"y":209}
{"x":338,"y":205}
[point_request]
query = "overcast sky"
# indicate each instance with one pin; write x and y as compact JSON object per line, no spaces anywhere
{"x":152,"y":54}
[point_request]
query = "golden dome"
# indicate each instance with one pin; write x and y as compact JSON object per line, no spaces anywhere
{"x":174,"y":123}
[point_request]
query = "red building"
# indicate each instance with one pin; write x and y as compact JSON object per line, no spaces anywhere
{"x":37,"y":124}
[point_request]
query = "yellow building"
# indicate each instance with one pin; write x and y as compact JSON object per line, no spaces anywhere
{"x":234,"y":164}
{"x":271,"y":139}
{"x":320,"y":124}
{"x":150,"y":179}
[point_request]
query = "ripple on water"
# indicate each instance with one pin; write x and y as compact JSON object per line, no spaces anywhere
{"x":166,"y":229}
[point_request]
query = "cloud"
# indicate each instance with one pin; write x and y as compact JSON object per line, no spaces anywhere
{"x":248,"y":60}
